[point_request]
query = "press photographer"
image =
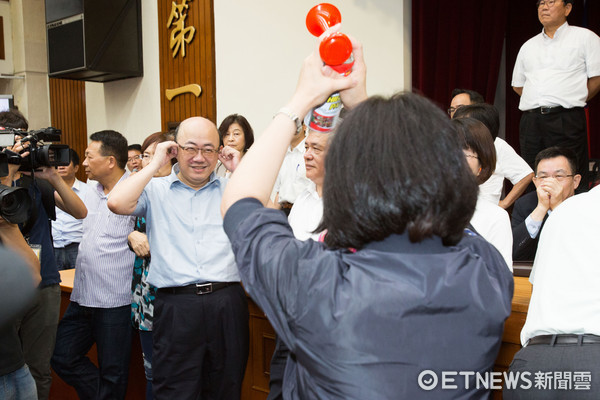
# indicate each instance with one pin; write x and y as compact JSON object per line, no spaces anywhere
{"x":37,"y":328}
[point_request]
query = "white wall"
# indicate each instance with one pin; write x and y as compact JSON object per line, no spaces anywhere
{"x":130,"y":106}
{"x":260,"y":46}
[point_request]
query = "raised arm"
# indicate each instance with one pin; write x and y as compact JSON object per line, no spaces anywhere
{"x":257,"y":172}
{"x":64,"y":196}
{"x":124,"y":197}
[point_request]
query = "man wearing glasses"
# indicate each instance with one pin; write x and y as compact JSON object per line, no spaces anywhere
{"x":200,"y":311}
{"x":555,"y":181}
{"x":556,"y":73}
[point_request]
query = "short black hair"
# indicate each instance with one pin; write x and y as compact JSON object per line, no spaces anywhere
{"x":473,"y":95}
{"x":391,"y":169}
{"x":483,"y":112}
{"x":137,"y":147}
{"x":556,"y":151}
{"x":537,"y":3}
{"x":13,"y":118}
{"x":476,"y":137}
{"x":112,"y":144}
{"x":74,"y":157}
{"x":243,"y":123}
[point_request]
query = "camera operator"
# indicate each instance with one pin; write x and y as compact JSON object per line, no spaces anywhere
{"x":20,"y":272}
{"x":37,"y":328}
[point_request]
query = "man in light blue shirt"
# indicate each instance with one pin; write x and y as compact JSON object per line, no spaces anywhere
{"x":201,"y":313}
{"x":67,"y":230}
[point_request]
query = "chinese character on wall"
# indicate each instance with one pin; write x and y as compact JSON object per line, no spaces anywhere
{"x":180,"y":35}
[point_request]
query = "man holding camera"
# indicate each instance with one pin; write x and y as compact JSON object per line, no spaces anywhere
{"x":37,"y":327}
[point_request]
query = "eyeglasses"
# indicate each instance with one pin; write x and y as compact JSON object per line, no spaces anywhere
{"x":193,"y":151}
{"x":138,"y":157}
{"x":452,"y":110}
{"x":548,"y":3}
{"x":471,"y":156}
{"x":558,"y":177}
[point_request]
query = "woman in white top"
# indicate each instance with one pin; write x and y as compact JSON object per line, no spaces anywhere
{"x":489,"y":220}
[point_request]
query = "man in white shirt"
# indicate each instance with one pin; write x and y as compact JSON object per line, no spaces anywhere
{"x":292,"y":179}
{"x":509,"y":165}
{"x":556,"y":73}
{"x":562,"y":332}
{"x":67,"y":230}
{"x":304,"y":218}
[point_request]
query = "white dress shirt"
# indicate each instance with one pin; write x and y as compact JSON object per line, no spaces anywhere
{"x":67,"y":229}
{"x":555,"y":71}
{"x":509,"y":165}
{"x":306,"y":214}
{"x":291,"y":180}
{"x":566,"y":271}
{"x":492,"y":222}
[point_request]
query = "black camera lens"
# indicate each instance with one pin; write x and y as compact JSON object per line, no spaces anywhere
{"x":14,"y":204}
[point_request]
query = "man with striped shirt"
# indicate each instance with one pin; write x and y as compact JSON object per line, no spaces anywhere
{"x":99,"y":311}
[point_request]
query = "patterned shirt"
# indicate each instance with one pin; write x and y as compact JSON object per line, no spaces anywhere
{"x":104,"y":263}
{"x":143,"y":293}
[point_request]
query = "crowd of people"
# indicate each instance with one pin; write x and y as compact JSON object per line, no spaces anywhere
{"x":379,"y":250}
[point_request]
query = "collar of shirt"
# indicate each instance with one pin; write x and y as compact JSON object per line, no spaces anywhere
{"x":558,"y":32}
{"x":100,"y":189}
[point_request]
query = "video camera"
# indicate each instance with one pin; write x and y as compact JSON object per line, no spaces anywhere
{"x":40,"y":154}
{"x":14,"y":201}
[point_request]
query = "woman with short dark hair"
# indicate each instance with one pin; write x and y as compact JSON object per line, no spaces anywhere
{"x":398,"y":288}
{"x":489,"y":219}
{"x":235,"y":131}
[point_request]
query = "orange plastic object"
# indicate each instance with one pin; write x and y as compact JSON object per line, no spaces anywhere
{"x":321,"y":17}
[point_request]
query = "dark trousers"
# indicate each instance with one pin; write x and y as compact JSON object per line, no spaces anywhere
{"x":66,"y":256}
{"x":555,"y":360}
{"x":566,"y":129}
{"x":37,"y":331}
{"x":200,"y":344}
{"x":146,"y":342}
{"x":79,"y":329}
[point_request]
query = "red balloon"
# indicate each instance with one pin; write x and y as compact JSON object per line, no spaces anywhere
{"x":322,"y":17}
{"x":335,"y":49}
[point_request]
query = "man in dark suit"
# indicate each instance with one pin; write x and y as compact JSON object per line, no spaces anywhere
{"x":555,"y":180}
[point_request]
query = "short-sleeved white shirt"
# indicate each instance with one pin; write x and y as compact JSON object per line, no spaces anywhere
{"x":555,"y":71}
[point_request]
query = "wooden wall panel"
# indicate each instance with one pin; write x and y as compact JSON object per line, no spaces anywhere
{"x":197,"y":67}
{"x":68,"y":113}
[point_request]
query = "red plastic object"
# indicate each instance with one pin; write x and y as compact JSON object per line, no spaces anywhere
{"x":335,"y":49}
{"x":322,"y":17}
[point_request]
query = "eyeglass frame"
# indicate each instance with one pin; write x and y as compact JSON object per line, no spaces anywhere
{"x":138,"y":157}
{"x":558,"y":177}
{"x":550,"y":3}
{"x":206,"y":152}
{"x":452,"y":110}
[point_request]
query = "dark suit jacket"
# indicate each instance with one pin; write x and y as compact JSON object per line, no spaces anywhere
{"x":524,"y":247}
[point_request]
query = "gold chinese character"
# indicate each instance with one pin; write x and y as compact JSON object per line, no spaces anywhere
{"x":180,"y":34}
{"x":195,"y":89}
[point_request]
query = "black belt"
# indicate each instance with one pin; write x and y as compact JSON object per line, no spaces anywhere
{"x":551,"y":110}
{"x":564,"y":339}
{"x":197,"y":288}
